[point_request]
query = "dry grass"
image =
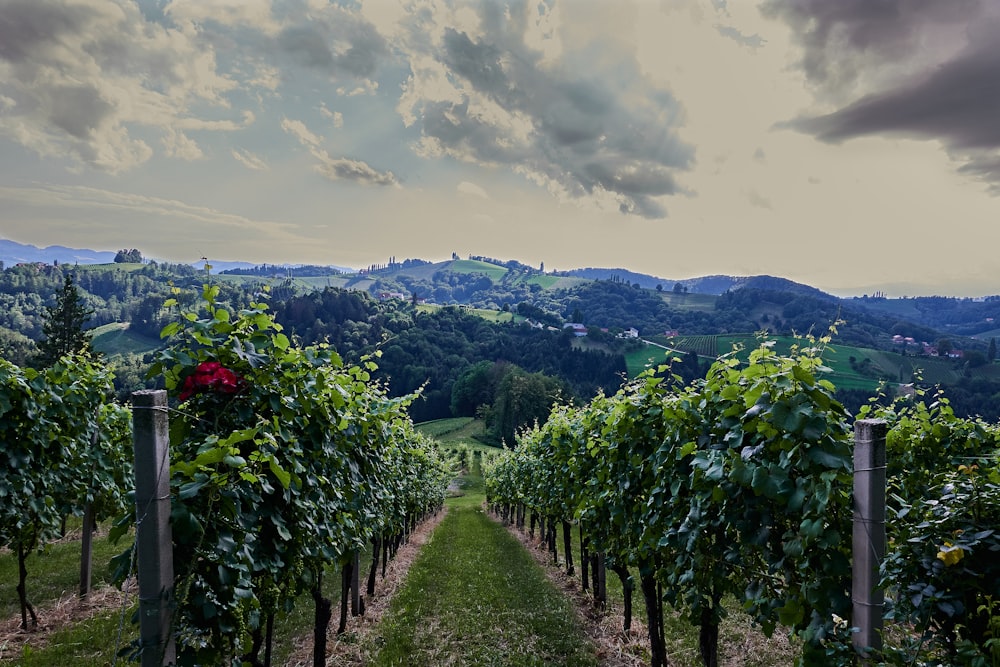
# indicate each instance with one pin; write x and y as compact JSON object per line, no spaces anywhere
{"x":67,"y":611}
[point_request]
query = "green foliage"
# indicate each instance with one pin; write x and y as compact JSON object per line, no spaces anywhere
{"x":63,"y":328}
{"x":128,"y":256}
{"x":943,"y":565}
{"x":16,"y":347}
{"x":283,"y":460}
{"x":945,"y":568}
{"x":64,"y":445}
{"x":520,"y":400}
{"x":739,"y":483}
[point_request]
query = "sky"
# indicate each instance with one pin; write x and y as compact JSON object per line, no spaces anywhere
{"x":852,"y":145}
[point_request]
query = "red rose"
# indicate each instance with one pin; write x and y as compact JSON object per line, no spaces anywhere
{"x":210,"y":375}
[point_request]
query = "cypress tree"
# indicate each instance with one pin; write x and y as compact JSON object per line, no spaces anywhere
{"x":63,"y":326}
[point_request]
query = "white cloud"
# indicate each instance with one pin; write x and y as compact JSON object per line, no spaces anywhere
{"x":84,"y":74}
{"x":367,"y":87}
{"x":556,"y":96}
{"x":256,"y":14}
{"x":472,"y":189}
{"x":336,"y":168}
{"x":335,"y":116}
{"x":179,"y":145}
{"x":69,"y":196}
{"x":216,"y":125}
{"x":249,"y":160}
{"x":298,"y":129}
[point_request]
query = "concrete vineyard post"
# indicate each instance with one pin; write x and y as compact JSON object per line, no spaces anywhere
{"x":869,"y":532}
{"x":154,"y":548}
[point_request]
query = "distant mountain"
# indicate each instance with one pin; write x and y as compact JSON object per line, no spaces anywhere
{"x":219,"y":267}
{"x":717,"y":284}
{"x":12,"y":253}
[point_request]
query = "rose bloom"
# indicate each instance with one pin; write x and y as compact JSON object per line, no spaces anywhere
{"x":210,"y":375}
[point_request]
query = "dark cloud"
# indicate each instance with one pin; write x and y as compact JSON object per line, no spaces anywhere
{"x":841,"y":40}
{"x":959,"y":103}
{"x":587,"y":122}
{"x":79,"y":110}
{"x":307,"y":45}
{"x":30,"y":28}
{"x":750,"y":41}
{"x":951,"y":95}
{"x":311,"y":44}
{"x":480,"y":63}
{"x":345,"y":169}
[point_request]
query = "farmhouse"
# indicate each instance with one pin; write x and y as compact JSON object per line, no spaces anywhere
{"x":577,"y":328}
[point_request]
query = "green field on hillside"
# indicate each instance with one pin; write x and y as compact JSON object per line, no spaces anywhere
{"x":868,"y":366}
{"x":649,"y":356}
{"x":704,"y":302}
{"x":115,"y":338}
{"x":486,"y":314}
{"x":496,"y":273}
{"x":127,"y":267}
{"x":544,"y":281}
{"x":838,"y":358}
{"x":456,"y":431}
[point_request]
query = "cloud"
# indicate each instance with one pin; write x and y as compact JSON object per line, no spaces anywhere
{"x":179,"y":145}
{"x":569,"y":108}
{"x":904,"y":68}
{"x":83,"y":74}
{"x":468,"y":188}
{"x":335,"y":116}
{"x":249,"y":160}
{"x":337,"y":41}
{"x":366,"y":87}
{"x":298,"y":129}
{"x":336,"y":168}
{"x":79,"y":197}
{"x":96,"y":79}
{"x":752,"y":42}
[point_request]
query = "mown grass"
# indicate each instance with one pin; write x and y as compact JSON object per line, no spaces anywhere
{"x":475,"y":597}
{"x":648,"y":356}
{"x":456,"y":431}
{"x":115,"y":338}
{"x":495,"y":272}
{"x":703,"y":302}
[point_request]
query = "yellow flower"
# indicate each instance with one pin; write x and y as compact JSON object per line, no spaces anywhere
{"x":950,"y":554}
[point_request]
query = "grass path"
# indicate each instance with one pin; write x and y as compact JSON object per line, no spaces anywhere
{"x":475,"y":597}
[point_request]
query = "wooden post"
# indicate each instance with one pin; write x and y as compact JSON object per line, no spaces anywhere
{"x":869,"y":533}
{"x":356,"y":585}
{"x":86,"y":549}
{"x":154,"y":548}
{"x":87,"y":539}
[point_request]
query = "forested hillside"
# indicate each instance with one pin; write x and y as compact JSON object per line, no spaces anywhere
{"x":416,"y":315}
